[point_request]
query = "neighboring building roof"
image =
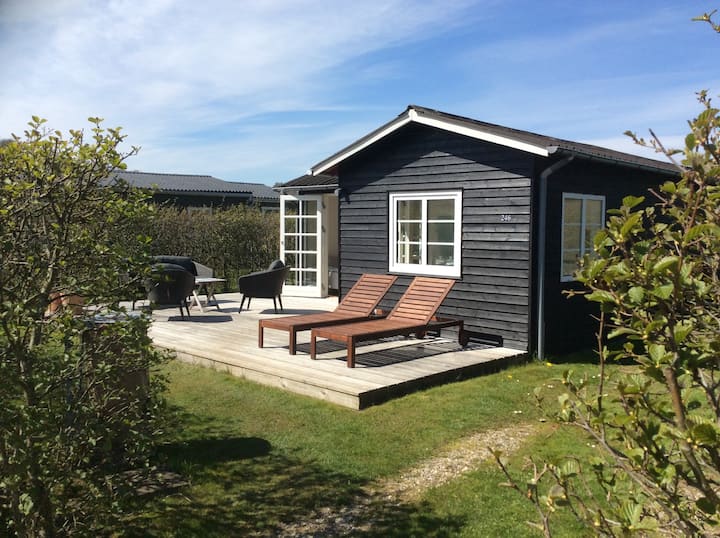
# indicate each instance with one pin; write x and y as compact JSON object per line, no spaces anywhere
{"x":323,"y":181}
{"x":259,"y":191}
{"x":196,"y":184}
{"x":537,"y":144}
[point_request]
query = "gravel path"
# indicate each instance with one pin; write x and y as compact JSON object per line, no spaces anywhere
{"x":459,"y":458}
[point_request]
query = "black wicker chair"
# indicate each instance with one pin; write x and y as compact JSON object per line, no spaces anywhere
{"x":266,"y":284}
{"x":185,"y":262}
{"x":171,"y":285}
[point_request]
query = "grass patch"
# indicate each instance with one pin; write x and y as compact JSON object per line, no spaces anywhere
{"x":257,"y":456}
{"x":489,"y":509}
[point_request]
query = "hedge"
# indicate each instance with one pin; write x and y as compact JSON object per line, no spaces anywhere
{"x":232,"y":241}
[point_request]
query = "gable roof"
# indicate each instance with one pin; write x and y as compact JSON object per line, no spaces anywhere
{"x":541,"y":145}
{"x":196,"y":184}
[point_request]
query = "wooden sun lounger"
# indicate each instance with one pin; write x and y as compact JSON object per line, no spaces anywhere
{"x":414,"y":313}
{"x":358,"y":304}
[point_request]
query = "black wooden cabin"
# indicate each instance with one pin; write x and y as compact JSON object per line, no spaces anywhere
{"x":521,"y":200}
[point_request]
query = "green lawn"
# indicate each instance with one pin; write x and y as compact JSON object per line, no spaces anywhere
{"x":257,"y":456}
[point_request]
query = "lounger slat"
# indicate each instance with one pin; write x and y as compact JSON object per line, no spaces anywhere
{"x":357,"y":303}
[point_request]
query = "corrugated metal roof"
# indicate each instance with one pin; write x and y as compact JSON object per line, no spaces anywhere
{"x":259,"y":191}
{"x":180,"y":183}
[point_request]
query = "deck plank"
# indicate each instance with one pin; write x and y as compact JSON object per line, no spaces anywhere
{"x":385,"y":369}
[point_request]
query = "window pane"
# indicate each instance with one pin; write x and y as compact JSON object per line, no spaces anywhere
{"x":594,"y":222}
{"x":571,"y":237}
{"x":593,"y":213}
{"x":309,"y":261}
{"x":442,"y":232}
{"x":409,"y":231}
{"x":309,"y":225}
{"x":290,"y":225}
{"x":309,"y":242}
{"x":308,"y":278}
{"x":441,"y":209}
{"x":573,"y":211}
{"x":292,"y":207}
{"x":440,"y":254}
{"x":290,"y":242}
{"x":590,"y":233}
{"x":309,"y":207}
{"x":291,"y":260}
{"x":292,"y":278}
{"x":570,"y":261}
{"x":409,"y":210}
{"x":408,"y":253}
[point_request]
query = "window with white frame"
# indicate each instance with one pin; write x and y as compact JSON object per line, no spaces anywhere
{"x":425,"y":233}
{"x":583,"y":216}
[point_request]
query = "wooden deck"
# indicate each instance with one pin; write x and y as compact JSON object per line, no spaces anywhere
{"x":385,"y":369}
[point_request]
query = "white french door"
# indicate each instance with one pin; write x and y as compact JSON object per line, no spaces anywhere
{"x":301,"y":245}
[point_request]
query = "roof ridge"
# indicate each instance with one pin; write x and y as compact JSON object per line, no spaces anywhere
{"x":246,"y":182}
{"x":166,"y":174}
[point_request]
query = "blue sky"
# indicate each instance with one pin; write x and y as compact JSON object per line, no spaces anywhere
{"x":260,"y":90}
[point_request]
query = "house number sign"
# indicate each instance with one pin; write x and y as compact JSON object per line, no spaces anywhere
{"x":505,"y":218}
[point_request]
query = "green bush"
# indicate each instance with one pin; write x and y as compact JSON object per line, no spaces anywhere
{"x":80,"y":404}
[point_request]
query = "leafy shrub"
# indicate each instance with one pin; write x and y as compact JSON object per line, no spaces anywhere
{"x":71,"y":420}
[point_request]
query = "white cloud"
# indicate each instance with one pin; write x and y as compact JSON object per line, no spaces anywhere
{"x":145,"y":55}
{"x":162,"y":68}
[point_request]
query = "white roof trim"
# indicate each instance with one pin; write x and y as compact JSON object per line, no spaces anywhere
{"x":412,"y":115}
{"x":482,"y":135}
{"x":389,"y":128}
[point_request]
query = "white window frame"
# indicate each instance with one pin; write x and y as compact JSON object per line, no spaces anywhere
{"x":583,"y":222}
{"x":424,"y":268}
{"x":319,"y":289}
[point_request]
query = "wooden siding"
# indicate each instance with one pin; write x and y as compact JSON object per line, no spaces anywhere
{"x":569,"y":323}
{"x":493,"y":294}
